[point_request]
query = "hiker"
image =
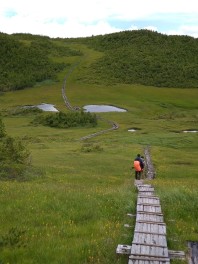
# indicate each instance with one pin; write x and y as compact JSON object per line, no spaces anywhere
{"x":138,"y":166}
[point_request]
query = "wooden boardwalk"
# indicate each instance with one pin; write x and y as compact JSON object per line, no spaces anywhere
{"x":149,"y":244}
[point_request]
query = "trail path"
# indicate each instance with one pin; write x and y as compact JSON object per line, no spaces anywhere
{"x":149,"y":245}
{"x":114,"y":125}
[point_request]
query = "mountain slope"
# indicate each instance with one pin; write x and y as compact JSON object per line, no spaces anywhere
{"x":146,"y":57}
{"x":129,"y":57}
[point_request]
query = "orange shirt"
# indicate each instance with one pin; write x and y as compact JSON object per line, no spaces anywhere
{"x":137,"y":165}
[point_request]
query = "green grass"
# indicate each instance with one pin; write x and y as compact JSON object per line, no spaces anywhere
{"x":75,"y":203}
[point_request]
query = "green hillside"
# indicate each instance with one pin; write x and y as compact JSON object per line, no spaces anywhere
{"x":66,"y":200}
{"x":26,"y":60}
{"x":146,"y":57}
{"x":130,"y":57}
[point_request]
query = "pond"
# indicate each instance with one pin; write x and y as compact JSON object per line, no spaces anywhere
{"x":47,"y":107}
{"x":134,"y":129}
{"x":44,"y":107}
{"x":190,"y":131}
{"x":102,"y":108}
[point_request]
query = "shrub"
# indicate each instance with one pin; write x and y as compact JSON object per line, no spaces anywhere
{"x":14,"y":156}
{"x":2,"y":129}
{"x":89,"y":147}
{"x":66,"y":120}
{"x":14,"y":238}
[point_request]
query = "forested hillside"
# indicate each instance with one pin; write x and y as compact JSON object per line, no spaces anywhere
{"x":26,"y":59}
{"x":146,"y":57}
{"x":129,"y":57}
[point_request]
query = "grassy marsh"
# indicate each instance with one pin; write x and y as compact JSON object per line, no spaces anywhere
{"x":74,"y":206}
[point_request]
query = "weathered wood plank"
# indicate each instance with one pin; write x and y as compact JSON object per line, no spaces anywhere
{"x":177,"y":254}
{"x":150,"y":213}
{"x":145,"y":189}
{"x":152,"y":233}
{"x":150,"y":228}
{"x":147,"y":193}
{"x":193,"y":252}
{"x":148,"y":200}
{"x":149,"y":222}
{"x":149,"y":258}
{"x":149,"y":217}
{"x":143,"y":195}
{"x":138,"y":261}
{"x":148,"y":204}
{"x":145,"y":185}
{"x":147,"y":244}
{"x":148,"y":208}
{"x":123,"y":249}
{"x":149,"y":251}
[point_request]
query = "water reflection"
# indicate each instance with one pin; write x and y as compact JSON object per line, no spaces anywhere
{"x":47,"y":107}
{"x":102,"y":108}
{"x":44,"y":107}
{"x":190,"y":131}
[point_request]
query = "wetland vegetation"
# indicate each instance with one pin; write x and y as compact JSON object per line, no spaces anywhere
{"x":70,"y":203}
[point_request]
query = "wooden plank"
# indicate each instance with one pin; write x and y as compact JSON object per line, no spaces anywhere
{"x":140,"y":187}
{"x":176,"y":254}
{"x":149,"y":204}
{"x":150,"y":245}
{"x":149,"y":217}
{"x":149,"y":251}
{"x":123,"y":249}
{"x":149,"y":200}
{"x":150,"y":222}
{"x":148,"y":208}
{"x":146,"y":190}
{"x":148,"y":258}
{"x":153,"y":233}
{"x":146,"y":193}
{"x":145,"y":261}
{"x":145,"y":185}
{"x":193,"y":252}
{"x":150,"y":213}
{"x":146,"y":196}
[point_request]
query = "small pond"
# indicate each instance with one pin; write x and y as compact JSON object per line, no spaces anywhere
{"x":102,"y":108}
{"x":190,"y":131}
{"x":132,"y":130}
{"x":44,"y":107}
{"x":47,"y":107}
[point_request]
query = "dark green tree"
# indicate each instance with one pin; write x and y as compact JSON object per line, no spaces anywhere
{"x":14,"y":156}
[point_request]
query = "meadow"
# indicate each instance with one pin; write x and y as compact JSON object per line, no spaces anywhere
{"x":72,"y":205}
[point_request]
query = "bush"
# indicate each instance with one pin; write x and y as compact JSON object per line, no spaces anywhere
{"x":2,"y":129}
{"x":66,"y":120}
{"x":14,"y":156}
{"x":89,"y":147}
